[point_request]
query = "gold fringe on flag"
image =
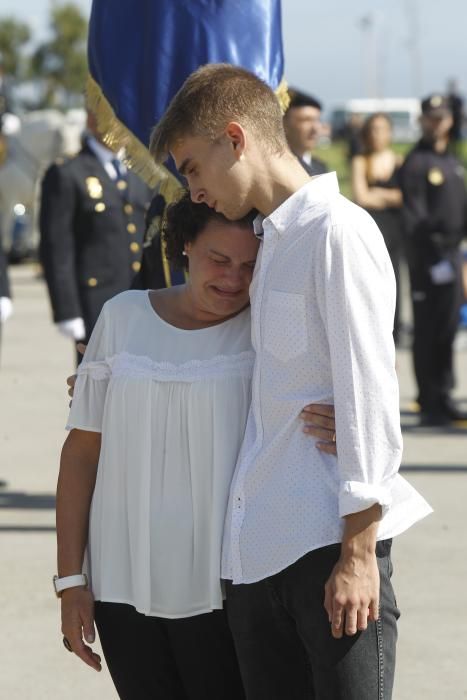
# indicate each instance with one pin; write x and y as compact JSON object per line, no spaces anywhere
{"x":116,"y":135}
{"x":282,"y":92}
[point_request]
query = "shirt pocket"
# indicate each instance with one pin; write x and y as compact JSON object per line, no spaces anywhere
{"x":285,"y":330}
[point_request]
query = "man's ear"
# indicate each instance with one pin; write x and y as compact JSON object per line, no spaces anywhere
{"x":235,"y":134}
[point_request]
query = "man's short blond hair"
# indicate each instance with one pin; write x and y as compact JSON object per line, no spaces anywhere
{"x":213,"y":96}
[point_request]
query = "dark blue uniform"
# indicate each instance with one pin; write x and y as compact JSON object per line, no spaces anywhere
{"x":317,"y":167}
{"x":156,"y":271}
{"x":92,"y":232}
{"x":4,"y":281}
{"x":435,"y":206}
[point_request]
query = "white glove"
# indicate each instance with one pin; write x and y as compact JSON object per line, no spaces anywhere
{"x":11,"y":124}
{"x":72,"y":328}
{"x":6,"y":309}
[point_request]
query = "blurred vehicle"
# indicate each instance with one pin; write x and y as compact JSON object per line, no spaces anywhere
{"x":404,"y":114}
{"x":31,"y":142}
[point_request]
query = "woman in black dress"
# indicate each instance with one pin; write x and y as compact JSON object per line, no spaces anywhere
{"x":375,"y":188}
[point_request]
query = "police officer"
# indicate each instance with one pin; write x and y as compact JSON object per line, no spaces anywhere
{"x":92,"y":223}
{"x":302,"y":125}
{"x":432,"y":182}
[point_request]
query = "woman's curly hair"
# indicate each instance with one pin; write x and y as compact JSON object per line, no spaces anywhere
{"x":184,"y":221}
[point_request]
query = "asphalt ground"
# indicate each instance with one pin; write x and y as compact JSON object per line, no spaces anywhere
{"x":430,"y":560}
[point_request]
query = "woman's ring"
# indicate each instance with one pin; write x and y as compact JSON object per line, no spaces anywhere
{"x":333,"y":437}
{"x":66,"y":644}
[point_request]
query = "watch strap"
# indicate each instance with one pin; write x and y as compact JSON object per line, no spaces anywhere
{"x":60,"y":584}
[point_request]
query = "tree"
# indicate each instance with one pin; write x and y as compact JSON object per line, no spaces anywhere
{"x":13,"y":35}
{"x":61,"y":61}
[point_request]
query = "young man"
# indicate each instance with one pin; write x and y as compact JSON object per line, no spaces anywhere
{"x":307,"y":537}
{"x":302,"y":125}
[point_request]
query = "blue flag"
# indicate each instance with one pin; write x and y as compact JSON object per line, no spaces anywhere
{"x":141,"y":51}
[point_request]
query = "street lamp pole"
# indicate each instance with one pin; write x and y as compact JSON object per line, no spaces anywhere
{"x":413,"y":45}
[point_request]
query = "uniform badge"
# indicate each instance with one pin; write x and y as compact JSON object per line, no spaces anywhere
{"x":435,"y":177}
{"x":94,"y":187}
{"x":436,"y":101}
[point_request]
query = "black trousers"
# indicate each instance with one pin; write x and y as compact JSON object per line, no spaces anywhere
{"x":436,"y":309}
{"x":153,"y":658}
{"x":284,"y":643}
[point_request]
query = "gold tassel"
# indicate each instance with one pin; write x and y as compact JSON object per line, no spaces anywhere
{"x":116,"y":135}
{"x":283,"y":96}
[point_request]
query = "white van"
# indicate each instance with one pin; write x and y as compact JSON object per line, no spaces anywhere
{"x":403,"y":112}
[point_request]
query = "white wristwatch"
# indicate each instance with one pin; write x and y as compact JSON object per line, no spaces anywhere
{"x":60,"y":584}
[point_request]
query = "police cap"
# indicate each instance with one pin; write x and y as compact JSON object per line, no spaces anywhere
{"x":436,"y":106}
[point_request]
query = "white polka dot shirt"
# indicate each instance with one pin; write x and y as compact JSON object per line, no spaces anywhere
{"x":322,"y":297}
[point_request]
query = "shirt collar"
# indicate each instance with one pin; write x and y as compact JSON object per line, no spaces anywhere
{"x":318,"y":188}
{"x":258,"y":226}
{"x":104,"y":154}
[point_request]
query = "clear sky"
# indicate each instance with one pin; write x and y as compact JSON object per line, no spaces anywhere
{"x":339,"y":49}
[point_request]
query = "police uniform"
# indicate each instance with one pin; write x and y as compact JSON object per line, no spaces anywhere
{"x":92,"y":229}
{"x":4,"y":281}
{"x":434,"y":214}
{"x":315,"y":167}
{"x":156,"y":271}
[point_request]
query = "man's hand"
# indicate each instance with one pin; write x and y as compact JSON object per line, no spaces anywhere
{"x":78,"y":624}
{"x":320,"y":423}
{"x":351,"y":594}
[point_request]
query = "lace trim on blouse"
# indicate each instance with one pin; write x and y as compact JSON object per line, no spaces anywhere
{"x":127,"y":365}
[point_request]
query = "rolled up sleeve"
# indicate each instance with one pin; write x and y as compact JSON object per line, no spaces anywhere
{"x":357,"y":301}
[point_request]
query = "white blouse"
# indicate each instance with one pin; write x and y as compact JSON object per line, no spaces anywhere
{"x":171,"y":405}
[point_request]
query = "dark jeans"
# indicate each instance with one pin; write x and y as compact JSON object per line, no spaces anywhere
{"x":284,"y":643}
{"x":152,"y":658}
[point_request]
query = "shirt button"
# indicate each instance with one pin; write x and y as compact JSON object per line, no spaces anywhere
{"x":128,"y":209}
{"x":134,"y":247}
{"x":131,"y":228}
{"x":136,"y":266}
{"x":92,"y":282}
{"x":100,"y":206}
